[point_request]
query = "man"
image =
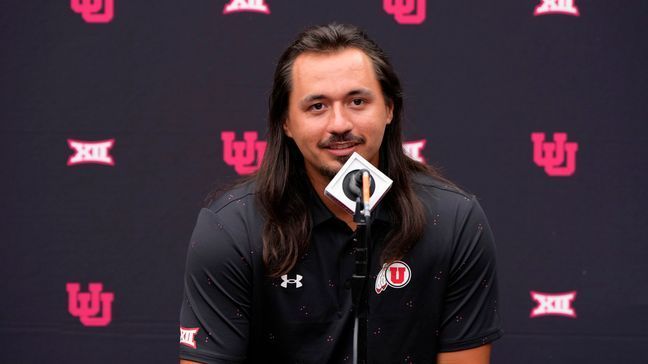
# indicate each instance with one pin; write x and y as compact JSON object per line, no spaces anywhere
{"x":269,"y":260}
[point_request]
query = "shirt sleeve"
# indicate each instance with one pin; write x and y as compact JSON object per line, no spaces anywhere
{"x":215,"y":313}
{"x":470,"y":313}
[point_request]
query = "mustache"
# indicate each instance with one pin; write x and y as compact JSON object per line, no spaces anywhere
{"x":341,"y":138}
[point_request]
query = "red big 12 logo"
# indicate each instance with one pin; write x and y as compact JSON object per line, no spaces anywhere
{"x":558,"y":157}
{"x":97,"y":152}
{"x":553,"y":304}
{"x":566,"y":7}
{"x":413,"y":149}
{"x":257,"y":6}
{"x":245,"y":156}
{"x":86,"y":306}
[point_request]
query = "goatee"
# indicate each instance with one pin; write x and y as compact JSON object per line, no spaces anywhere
{"x":329,"y":172}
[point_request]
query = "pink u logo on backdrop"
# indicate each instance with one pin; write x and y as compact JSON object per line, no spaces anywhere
{"x":91,"y":10}
{"x":93,"y":308}
{"x":406,"y":11}
{"x":558,"y":157}
{"x":245,"y":156}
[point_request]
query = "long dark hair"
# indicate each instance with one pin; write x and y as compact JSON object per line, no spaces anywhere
{"x":282,"y":185}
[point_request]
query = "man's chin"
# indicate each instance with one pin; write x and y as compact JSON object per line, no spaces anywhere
{"x":343,"y":159}
{"x":333,"y":167}
{"x":329,"y":171}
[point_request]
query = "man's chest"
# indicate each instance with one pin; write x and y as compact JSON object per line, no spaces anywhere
{"x":317,"y":289}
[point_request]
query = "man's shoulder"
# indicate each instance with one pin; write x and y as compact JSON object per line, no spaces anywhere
{"x":232,"y":196}
{"x":232,"y":214}
{"x":443,"y":197}
{"x":429,"y":184}
{"x":236,"y":207}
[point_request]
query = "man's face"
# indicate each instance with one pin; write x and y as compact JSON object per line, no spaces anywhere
{"x":336,"y":107}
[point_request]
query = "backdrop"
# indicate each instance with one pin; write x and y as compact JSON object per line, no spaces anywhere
{"x":119,"y":116}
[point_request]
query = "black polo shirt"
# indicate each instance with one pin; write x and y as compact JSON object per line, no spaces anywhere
{"x":442,"y":296}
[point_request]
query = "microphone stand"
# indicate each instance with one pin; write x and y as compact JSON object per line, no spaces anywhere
{"x":362,"y":218}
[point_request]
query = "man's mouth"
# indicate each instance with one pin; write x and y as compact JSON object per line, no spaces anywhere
{"x":341,"y":149}
{"x":344,"y":145}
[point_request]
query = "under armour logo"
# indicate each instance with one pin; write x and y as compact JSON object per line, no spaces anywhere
{"x":406,"y":11}
{"x":553,"y":304}
{"x":243,"y":154}
{"x":90,"y":10}
{"x":187,"y":336}
{"x":296,"y":281}
{"x":86,"y":306}
{"x":91,"y":152}
{"x":556,"y":7}
{"x":413,"y":150}
{"x":552,"y":156}
{"x":258,"y":6}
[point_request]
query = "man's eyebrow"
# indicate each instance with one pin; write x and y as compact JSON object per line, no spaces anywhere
{"x":361,"y":92}
{"x":311,"y":98}
{"x":355,"y":92}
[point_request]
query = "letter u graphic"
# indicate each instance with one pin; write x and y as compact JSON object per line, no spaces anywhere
{"x":84,"y":305}
{"x":402,"y":9}
{"x":89,"y":10}
{"x":551,"y":155}
{"x":241,"y":154}
{"x":397,"y":275}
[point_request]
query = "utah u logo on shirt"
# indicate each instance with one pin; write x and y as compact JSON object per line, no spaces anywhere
{"x":396,"y":275}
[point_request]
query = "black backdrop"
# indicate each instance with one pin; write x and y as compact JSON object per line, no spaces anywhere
{"x":165,"y":79}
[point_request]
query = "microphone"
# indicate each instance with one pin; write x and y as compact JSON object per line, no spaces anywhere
{"x":346,"y":186}
{"x":352,"y":185}
{"x":358,"y":187}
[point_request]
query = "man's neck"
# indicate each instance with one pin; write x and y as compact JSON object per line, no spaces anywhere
{"x":319,"y":184}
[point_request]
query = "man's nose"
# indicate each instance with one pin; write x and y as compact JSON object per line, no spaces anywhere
{"x":339,"y":121}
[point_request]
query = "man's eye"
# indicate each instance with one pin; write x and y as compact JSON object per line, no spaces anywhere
{"x":358,"y":102}
{"x":318,"y":106}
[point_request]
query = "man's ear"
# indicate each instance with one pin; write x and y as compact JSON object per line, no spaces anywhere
{"x":286,"y":129}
